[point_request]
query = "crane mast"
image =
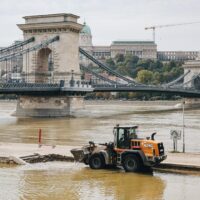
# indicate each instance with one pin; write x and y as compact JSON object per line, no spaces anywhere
{"x":166,"y":25}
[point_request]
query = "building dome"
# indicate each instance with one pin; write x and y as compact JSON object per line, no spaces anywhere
{"x":86,"y":29}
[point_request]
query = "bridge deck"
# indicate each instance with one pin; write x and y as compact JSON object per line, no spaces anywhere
{"x":37,"y":88}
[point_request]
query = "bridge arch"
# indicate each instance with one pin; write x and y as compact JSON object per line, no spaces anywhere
{"x":196,"y":83}
{"x":42,"y":68}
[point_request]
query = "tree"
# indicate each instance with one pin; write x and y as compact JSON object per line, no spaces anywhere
{"x":132,"y":95}
{"x":145,"y":64}
{"x":123,"y":70}
{"x":119,"y":58}
{"x":99,"y":95}
{"x":146,"y":71}
{"x":107,"y":95}
{"x":110,"y":62}
{"x":131,"y":59}
{"x":157,"y":78}
{"x":145,"y":76}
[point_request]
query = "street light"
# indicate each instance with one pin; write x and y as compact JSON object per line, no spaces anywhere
{"x":72,"y":81}
{"x":183,"y":105}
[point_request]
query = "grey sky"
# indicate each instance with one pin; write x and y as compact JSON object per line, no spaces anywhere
{"x":113,"y":19}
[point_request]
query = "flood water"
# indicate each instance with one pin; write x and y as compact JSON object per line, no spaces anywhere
{"x":59,"y":180}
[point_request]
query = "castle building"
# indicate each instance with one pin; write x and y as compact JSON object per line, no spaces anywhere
{"x":142,"y":49}
{"x":177,"y":55}
{"x":85,"y":39}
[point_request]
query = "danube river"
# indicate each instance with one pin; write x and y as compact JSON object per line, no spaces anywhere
{"x":59,"y":180}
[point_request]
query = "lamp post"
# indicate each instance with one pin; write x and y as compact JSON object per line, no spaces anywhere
{"x":183,"y":105}
{"x":72,"y":81}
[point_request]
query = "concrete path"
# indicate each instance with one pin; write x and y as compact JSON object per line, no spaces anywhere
{"x":183,"y":159}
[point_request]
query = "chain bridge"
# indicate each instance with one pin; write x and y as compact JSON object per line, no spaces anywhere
{"x":49,"y":83}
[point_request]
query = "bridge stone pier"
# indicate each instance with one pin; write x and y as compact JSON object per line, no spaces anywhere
{"x":192,"y":80}
{"x":63,"y":55}
{"x":48,"y":106}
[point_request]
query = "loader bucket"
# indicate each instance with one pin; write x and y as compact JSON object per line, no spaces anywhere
{"x":78,"y":154}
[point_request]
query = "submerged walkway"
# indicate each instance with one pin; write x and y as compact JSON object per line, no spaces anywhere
{"x":173,"y":163}
{"x":183,"y":158}
{"x":184,"y":163}
{"x":21,"y":149}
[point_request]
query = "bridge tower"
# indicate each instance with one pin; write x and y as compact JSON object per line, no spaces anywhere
{"x":51,"y":64}
{"x":192,"y":79}
{"x":64,"y":52}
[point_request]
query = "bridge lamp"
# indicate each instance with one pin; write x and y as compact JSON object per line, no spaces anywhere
{"x":72,"y":81}
{"x":183,"y":105}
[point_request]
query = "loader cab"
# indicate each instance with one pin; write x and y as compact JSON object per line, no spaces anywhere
{"x":123,"y":136}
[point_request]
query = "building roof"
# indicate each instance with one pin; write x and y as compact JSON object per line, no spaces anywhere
{"x":86,"y":29}
{"x":51,"y":18}
{"x":132,"y":42}
{"x":51,"y":15}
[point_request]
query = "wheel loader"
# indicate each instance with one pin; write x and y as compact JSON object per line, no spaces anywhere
{"x":127,"y":150}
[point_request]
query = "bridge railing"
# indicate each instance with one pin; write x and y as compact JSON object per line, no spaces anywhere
{"x":28,"y":85}
{"x":76,"y":84}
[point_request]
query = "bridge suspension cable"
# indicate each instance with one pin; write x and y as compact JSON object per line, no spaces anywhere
{"x":15,"y":46}
{"x":103,"y":66}
{"x":97,"y":75}
{"x":36,"y":47}
{"x":176,"y":80}
{"x":194,"y":77}
{"x":185,"y":83}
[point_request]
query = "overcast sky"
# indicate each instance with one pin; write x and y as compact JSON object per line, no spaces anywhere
{"x":113,"y":19}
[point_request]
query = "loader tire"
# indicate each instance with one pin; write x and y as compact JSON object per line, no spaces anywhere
{"x":131,"y":163}
{"x":96,"y":161}
{"x":85,"y":161}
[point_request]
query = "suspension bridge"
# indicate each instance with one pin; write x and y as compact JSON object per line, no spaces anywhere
{"x":49,"y":80}
{"x":177,"y":86}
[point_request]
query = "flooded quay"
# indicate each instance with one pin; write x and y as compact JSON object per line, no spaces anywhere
{"x":60,"y":180}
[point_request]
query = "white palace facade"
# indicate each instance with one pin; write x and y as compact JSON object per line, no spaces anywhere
{"x":142,"y":49}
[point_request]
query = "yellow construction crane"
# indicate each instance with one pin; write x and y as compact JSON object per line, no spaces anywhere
{"x":167,"y":25}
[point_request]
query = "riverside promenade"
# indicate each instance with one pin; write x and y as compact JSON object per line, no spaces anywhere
{"x":176,"y":162}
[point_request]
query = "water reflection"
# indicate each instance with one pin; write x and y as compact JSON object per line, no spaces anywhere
{"x":75,"y":182}
{"x":60,"y":180}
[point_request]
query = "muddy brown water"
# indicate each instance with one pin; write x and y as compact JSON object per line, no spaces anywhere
{"x":60,"y":180}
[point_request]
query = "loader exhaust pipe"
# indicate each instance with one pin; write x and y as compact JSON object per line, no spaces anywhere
{"x":152,"y":136}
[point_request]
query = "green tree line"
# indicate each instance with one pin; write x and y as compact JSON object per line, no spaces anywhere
{"x":146,"y":71}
